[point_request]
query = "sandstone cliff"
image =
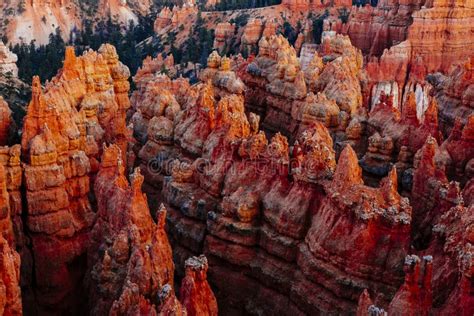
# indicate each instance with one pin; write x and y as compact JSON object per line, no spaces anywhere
{"x":61,"y":134}
{"x":260,"y":211}
{"x":73,"y":240}
{"x":10,"y":293}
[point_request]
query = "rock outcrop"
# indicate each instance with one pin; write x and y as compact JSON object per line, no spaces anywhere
{"x":374,"y":29}
{"x":415,"y":296}
{"x":289,"y":98}
{"x":455,"y":94}
{"x":223,"y":33}
{"x":5,"y":122}
{"x":10,"y":293}
{"x":7,"y":61}
{"x":62,"y":132}
{"x":442,"y":283}
{"x":57,"y":183}
{"x":195,"y":293}
{"x":261,"y":210}
{"x":10,"y":161}
{"x":105,"y":237}
{"x":176,"y":16}
{"x":441,"y":34}
{"x":325,"y":184}
{"x":135,"y":260}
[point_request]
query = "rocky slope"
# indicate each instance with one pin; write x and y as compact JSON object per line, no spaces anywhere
{"x":284,"y":226}
{"x":35,"y":20}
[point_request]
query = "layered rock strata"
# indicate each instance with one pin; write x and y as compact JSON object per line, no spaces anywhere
{"x":135,"y":260}
{"x":259,"y":210}
{"x":10,"y":292}
{"x":83,"y":106}
{"x":288,"y":98}
{"x":70,"y":228}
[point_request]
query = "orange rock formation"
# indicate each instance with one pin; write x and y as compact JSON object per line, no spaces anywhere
{"x":353,"y":195}
{"x":5,"y":122}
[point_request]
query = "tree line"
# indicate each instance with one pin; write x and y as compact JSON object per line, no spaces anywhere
{"x":46,"y":60}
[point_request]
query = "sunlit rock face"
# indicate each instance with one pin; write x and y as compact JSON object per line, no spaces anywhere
{"x":10,"y":302}
{"x":62,"y":132}
{"x":313,"y":184}
{"x":75,"y":211}
{"x":289,"y":98}
{"x":259,"y":209}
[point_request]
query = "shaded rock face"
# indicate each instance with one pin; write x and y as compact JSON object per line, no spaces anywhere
{"x":10,"y":301}
{"x":268,"y":216}
{"x":135,"y":260}
{"x":10,"y":293}
{"x":439,"y":277}
{"x":131,"y":269}
{"x":449,"y":269}
{"x":85,"y":250}
{"x":454,"y":93}
{"x":374,"y":29}
{"x":82,"y":107}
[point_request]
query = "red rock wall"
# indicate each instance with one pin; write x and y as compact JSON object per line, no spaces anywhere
{"x":67,"y":224}
{"x":268,"y":223}
{"x":62,"y":130}
{"x":138,"y":263}
{"x":10,"y":293}
{"x":5,"y":122}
